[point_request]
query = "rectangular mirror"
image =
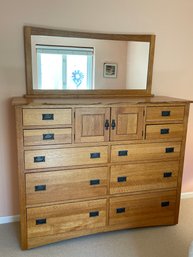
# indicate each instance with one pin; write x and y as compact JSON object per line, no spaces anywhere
{"x":70,"y":63}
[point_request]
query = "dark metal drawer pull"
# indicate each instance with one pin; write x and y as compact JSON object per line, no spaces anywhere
{"x":40,"y":221}
{"x":122,"y":179}
{"x":113,"y":124}
{"x":94,"y":182}
{"x":48,"y":116}
{"x":165,"y":204}
{"x":107,"y":124}
{"x":40,"y":188}
{"x":93,"y":213}
{"x":164,"y":131}
{"x":165,"y":113}
{"x":48,"y":136}
{"x":169,"y":150}
{"x":167,"y":174}
{"x":39,"y":159}
{"x":95,"y":155}
{"x":123,"y":153}
{"x":120,"y":210}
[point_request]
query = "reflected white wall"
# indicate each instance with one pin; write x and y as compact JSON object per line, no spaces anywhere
{"x":137,"y":65}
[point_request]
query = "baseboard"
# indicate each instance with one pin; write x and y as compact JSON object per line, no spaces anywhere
{"x":186,"y":195}
{"x":9,"y":219}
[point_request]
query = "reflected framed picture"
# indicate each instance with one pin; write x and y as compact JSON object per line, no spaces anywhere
{"x":110,"y":70}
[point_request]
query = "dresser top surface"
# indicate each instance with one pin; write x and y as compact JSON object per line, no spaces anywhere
{"x":108,"y":102}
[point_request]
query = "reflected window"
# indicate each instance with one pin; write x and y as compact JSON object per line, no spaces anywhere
{"x":64,"y":67}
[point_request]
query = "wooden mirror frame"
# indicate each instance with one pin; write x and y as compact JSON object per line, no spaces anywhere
{"x":29,"y":31}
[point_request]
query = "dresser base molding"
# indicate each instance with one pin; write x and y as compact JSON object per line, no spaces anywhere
{"x":35,"y":242}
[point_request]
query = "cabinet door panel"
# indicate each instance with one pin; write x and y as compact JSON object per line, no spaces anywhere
{"x":126,"y":123}
{"x":91,"y":124}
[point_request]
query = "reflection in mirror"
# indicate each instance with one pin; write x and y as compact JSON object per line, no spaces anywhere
{"x":74,"y":63}
{"x":66,"y":62}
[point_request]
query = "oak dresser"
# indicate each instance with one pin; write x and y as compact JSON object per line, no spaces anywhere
{"x":94,"y":165}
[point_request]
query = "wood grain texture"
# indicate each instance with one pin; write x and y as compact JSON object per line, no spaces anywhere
{"x":65,"y":157}
{"x":90,"y":124}
{"x":66,"y":185}
{"x":34,"y":117}
{"x":128,"y":123}
{"x":47,"y":136}
{"x":143,"y":176}
{"x":176,"y":113}
{"x":145,"y":152}
{"x":65,"y":218}
{"x":164,"y":131}
{"x":143,"y":209}
{"x":68,"y":169}
{"x":21,"y":178}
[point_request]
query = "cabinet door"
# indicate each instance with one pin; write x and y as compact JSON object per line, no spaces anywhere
{"x":92,"y":124}
{"x":126,"y":123}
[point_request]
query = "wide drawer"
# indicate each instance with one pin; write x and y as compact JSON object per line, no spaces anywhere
{"x":165,"y":113}
{"x":50,"y":158}
{"x":38,"y":117}
{"x":165,"y":131}
{"x":47,"y":136}
{"x":64,"y":185}
{"x":144,"y":176}
{"x":143,"y":210}
{"x":142,"y":152}
{"x":64,"y":218}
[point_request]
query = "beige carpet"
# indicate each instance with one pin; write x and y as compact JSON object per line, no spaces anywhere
{"x":171,"y":241}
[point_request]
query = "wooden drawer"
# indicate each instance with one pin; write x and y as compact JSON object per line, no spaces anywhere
{"x":144,"y":176}
{"x":64,"y":185}
{"x":47,"y":136}
{"x":45,"y":117}
{"x":165,"y":113}
{"x":50,"y":158}
{"x":65,"y":218}
{"x":143,"y":210}
{"x":165,"y":131}
{"x":142,"y":152}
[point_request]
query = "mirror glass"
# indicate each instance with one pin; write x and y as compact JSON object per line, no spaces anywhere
{"x":63,"y":62}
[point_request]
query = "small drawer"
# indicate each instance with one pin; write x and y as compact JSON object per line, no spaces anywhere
{"x":47,"y":187}
{"x":143,"y":176}
{"x":143,"y":209}
{"x":165,"y":131}
{"x":46,"y":117}
{"x":53,"y":158}
{"x":47,"y":136}
{"x":165,"y":113}
{"x":142,"y":152}
{"x":65,"y":218}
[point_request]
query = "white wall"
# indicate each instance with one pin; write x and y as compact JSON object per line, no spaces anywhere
{"x":170,"y":20}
